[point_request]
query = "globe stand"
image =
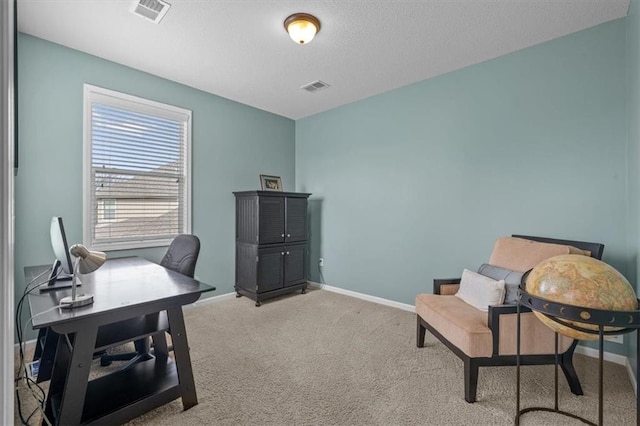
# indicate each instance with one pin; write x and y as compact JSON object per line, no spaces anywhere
{"x":625,"y":321}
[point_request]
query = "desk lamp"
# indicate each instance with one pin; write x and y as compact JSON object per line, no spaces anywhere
{"x":86,"y":261}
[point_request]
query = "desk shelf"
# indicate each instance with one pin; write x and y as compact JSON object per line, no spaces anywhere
{"x":121,"y":332}
{"x":149,"y":384}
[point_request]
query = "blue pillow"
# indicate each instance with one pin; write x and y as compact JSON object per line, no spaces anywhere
{"x":511,"y":279}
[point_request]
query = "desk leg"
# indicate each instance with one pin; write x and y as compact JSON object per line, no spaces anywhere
{"x":75,"y":387}
{"x":46,"y":347}
{"x":160,"y":348}
{"x":42,"y":335}
{"x":183,"y":359}
{"x":58,"y":376}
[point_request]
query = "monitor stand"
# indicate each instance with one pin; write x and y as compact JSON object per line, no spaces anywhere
{"x":61,"y":282}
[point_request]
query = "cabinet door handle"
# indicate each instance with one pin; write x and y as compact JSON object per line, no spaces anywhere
{"x":282,"y":235}
{"x":288,"y":235}
{"x":282,"y":253}
{"x":287,"y":252}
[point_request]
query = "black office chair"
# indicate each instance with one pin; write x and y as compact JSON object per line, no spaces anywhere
{"x":181,"y":256}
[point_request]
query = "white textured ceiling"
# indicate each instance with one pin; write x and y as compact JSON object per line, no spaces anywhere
{"x":239,"y":49}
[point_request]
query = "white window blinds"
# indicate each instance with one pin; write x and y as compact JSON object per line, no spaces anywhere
{"x":138,"y":177}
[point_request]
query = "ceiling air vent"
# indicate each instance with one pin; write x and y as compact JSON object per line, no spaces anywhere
{"x":314,"y":86}
{"x":151,"y":10}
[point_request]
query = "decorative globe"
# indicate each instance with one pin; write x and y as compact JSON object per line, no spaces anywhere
{"x":580,"y":281}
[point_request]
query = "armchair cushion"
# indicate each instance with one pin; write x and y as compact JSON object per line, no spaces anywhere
{"x":480,"y":291}
{"x":511,"y":278}
{"x":464,"y":326}
{"x":521,"y":255}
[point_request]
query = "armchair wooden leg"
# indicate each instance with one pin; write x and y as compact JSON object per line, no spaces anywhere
{"x":421,"y":331}
{"x":570,"y":373}
{"x":470,"y":380}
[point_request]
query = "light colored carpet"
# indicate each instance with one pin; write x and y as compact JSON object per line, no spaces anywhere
{"x":328,"y":359}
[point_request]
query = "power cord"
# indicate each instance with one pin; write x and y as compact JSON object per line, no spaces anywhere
{"x":34,"y":388}
{"x":322,"y":281}
{"x":29,"y":381}
{"x":21,"y":366}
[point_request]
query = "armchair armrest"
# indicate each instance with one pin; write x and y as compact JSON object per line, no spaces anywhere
{"x":493,"y":320}
{"x":446,"y":286}
{"x":496,"y":310}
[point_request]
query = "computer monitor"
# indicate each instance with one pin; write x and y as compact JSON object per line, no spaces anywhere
{"x":62,"y":269}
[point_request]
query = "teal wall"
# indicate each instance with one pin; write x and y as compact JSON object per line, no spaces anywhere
{"x":633,"y":94}
{"x":409,"y":185}
{"x":232,"y":145}
{"x":418,"y":182}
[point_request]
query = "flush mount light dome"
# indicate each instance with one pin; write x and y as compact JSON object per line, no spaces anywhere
{"x":302,"y":27}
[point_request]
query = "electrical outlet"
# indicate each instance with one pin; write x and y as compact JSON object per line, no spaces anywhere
{"x":321,"y":262}
{"x":618,"y":338}
{"x":33,"y":368}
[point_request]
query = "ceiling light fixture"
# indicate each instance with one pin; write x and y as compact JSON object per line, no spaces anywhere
{"x":302,"y":27}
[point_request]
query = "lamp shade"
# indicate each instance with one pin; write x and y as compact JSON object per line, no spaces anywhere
{"x":302,"y":27}
{"x":89,"y":260}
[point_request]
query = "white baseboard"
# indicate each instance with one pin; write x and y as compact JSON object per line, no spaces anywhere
{"x":213,"y":299}
{"x":374,"y":299}
{"x":608,"y":356}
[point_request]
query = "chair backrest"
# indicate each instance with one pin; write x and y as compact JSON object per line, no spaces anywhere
{"x":522,"y":252}
{"x":594,"y":250}
{"x":182,"y":254}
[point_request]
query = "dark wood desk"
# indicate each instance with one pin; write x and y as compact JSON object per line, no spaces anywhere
{"x":134,"y":298}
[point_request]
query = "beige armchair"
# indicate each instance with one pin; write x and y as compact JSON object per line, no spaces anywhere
{"x":489,"y":338}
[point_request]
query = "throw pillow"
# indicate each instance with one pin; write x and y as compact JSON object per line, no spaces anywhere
{"x":480,"y":291}
{"x":511,"y":278}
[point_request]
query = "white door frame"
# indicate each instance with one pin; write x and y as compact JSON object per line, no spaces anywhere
{"x":7,"y":94}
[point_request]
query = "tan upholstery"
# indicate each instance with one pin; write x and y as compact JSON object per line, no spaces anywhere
{"x":521,"y":255}
{"x":536,"y":338}
{"x":576,"y":250}
{"x":462,"y":324}
{"x":449,"y":289}
{"x":467,"y":328}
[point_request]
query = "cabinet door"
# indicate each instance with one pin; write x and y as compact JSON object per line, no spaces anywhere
{"x":246,"y":270}
{"x":247,"y":219}
{"x":271,"y":220}
{"x":296,"y":220}
{"x":270,"y":266}
{"x":295,"y":264}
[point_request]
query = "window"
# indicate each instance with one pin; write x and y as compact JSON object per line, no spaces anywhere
{"x":137,"y":171}
{"x":108,"y":209}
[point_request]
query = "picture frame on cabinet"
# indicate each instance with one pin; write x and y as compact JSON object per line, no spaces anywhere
{"x":270,"y":183}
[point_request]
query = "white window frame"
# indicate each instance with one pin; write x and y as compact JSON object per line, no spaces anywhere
{"x":95,"y":94}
